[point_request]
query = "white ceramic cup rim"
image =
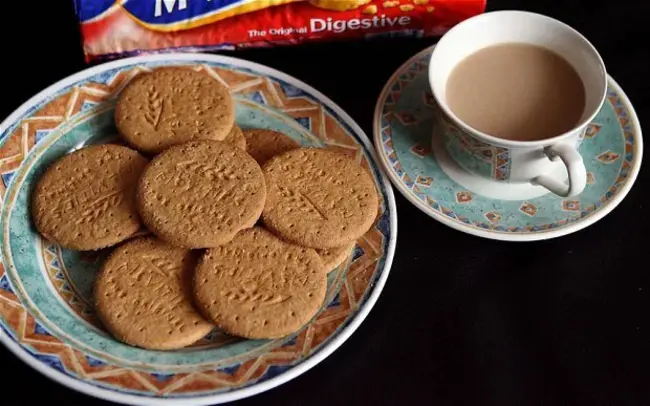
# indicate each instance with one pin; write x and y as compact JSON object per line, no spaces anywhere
{"x":505,"y":142}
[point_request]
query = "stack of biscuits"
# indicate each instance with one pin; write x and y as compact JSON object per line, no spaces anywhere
{"x":243,"y":225}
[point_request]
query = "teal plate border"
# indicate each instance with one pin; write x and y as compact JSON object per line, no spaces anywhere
{"x":403,"y":125}
{"x":45,"y":292}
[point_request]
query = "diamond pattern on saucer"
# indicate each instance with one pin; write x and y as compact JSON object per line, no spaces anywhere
{"x":463,"y":197}
{"x":592,"y":130}
{"x":591,"y":178}
{"x":571,"y":205}
{"x":528,"y":209}
{"x":608,"y":157}
{"x":493,"y":217}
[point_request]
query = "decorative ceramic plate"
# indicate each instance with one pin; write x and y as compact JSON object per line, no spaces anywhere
{"x":403,"y":127}
{"x":46,"y":313}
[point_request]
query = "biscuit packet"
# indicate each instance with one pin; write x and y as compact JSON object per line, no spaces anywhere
{"x":119,"y":28}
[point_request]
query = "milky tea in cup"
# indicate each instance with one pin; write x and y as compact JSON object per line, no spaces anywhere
{"x":517,"y":91}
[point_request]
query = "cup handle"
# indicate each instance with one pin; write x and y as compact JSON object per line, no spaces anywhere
{"x":575,"y":168}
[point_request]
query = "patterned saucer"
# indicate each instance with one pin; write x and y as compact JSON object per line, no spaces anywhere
{"x":403,"y":124}
{"x":46,"y":313}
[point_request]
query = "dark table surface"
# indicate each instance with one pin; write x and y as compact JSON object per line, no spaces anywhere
{"x":462,"y":320}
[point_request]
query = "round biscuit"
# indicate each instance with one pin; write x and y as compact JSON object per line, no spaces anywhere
{"x":264,"y":144}
{"x":86,"y":200}
{"x":143,"y":295}
{"x":200,"y":194}
{"x":333,"y":257}
{"x":318,"y":198}
{"x":236,"y":138}
{"x":258,"y":286}
{"x":169,"y":106}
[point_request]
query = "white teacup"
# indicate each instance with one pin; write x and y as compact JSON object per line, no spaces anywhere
{"x":510,"y":164}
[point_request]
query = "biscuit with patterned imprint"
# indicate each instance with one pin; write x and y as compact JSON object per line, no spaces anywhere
{"x":173,"y":105}
{"x":86,"y":200}
{"x":143,"y":295}
{"x":264,"y":144}
{"x":236,"y":138}
{"x":318,"y":198}
{"x":200,"y":194}
{"x":333,"y":257}
{"x":258,"y":286}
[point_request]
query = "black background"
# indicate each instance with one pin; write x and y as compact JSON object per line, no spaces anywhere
{"x":462,"y":320}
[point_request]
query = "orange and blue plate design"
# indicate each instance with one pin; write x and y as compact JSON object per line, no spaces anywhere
{"x":46,"y":313}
